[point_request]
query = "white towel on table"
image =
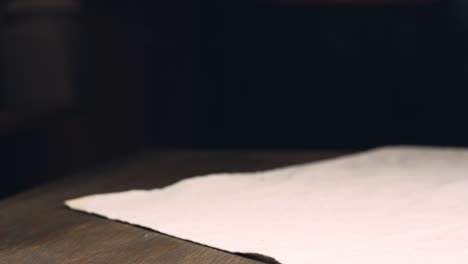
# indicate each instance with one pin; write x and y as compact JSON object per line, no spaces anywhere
{"x":395,"y":205}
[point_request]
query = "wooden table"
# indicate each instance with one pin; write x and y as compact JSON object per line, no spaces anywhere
{"x":35,"y":226}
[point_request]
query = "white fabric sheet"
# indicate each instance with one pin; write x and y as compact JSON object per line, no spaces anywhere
{"x":395,"y":205}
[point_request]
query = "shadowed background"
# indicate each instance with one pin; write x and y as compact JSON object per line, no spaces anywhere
{"x":85,"y":82}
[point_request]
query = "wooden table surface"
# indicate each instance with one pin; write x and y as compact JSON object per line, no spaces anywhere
{"x":35,"y":226}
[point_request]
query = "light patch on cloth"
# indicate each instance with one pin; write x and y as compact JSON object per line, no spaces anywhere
{"x":404,"y":205}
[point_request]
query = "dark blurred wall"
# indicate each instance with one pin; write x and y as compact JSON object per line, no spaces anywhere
{"x":160,"y":37}
{"x":320,"y":76}
{"x":299,"y":74}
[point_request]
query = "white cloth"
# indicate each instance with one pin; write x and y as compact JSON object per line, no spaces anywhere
{"x":394,"y":205}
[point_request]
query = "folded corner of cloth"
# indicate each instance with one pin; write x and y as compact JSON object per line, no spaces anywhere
{"x":398,"y":204}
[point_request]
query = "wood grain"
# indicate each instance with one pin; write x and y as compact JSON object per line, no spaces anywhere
{"x":35,"y":226}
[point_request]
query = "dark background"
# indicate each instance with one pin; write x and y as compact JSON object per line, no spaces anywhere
{"x":85,"y":82}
